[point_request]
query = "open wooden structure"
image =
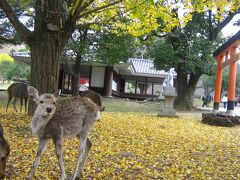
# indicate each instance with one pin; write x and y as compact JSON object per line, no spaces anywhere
{"x":227,"y":54}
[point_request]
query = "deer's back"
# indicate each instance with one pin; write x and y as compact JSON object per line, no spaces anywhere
{"x":70,"y":116}
{"x":18,"y":90}
{"x":95,"y":97}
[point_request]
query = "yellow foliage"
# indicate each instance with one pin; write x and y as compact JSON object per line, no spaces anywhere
{"x":139,"y":17}
{"x":132,"y":146}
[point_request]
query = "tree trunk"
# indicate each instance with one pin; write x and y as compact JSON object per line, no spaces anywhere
{"x":45,"y":61}
{"x":76,"y":77}
{"x":185,"y":90}
{"x":47,"y":41}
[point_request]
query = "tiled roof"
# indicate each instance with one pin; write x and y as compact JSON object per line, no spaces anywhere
{"x":227,"y":44}
{"x":141,"y":66}
{"x":21,"y":54}
{"x":145,"y":66}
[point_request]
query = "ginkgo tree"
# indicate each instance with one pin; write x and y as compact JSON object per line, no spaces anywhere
{"x":55,"y":20}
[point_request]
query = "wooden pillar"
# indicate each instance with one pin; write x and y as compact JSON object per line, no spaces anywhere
{"x":218,"y":85}
{"x":232,"y":81}
{"x":108,"y":78}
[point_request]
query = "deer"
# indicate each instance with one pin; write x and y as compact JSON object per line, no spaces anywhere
{"x":57,"y":119}
{"x":17,"y":90}
{"x":95,"y":97}
{"x":4,"y":153}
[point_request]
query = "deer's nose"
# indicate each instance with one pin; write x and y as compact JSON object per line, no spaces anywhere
{"x":48,"y":109}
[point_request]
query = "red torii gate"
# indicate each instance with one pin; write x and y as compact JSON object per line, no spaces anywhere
{"x":227,"y":54}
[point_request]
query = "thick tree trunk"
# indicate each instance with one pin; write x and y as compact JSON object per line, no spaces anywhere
{"x":45,"y":61}
{"x":185,"y":90}
{"x":50,"y":35}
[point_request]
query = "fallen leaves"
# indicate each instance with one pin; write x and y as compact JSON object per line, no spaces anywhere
{"x":132,"y":146}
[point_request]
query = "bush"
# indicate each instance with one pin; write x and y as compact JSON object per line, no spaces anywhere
{"x":14,"y":70}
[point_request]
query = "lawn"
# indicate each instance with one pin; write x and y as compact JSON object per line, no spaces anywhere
{"x":132,"y":145}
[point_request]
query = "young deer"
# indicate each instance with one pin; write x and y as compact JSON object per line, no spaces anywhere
{"x":4,"y":152}
{"x":59,"y":119}
{"x":95,"y":97}
{"x":17,"y":90}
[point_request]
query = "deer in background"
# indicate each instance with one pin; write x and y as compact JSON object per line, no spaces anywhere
{"x":69,"y":117}
{"x":95,"y":97}
{"x":4,"y":152}
{"x":17,"y":90}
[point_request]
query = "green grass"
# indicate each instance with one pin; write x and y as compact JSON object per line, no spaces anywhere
{"x":124,"y":105}
{"x":117,"y":104}
{"x":110,"y":104}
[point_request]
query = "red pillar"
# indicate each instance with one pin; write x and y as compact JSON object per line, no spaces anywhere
{"x":218,"y":85}
{"x":232,"y":81}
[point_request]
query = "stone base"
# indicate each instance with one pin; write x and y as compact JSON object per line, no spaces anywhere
{"x":220,"y":119}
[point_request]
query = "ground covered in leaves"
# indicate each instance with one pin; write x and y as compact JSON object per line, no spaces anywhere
{"x":132,"y":146}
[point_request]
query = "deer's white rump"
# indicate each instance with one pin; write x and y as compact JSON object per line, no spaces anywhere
{"x":56,"y":120}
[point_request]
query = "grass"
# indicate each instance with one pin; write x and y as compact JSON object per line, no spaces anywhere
{"x":124,"y":105}
{"x":111,"y":105}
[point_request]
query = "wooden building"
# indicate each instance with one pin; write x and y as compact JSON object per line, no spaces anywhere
{"x":136,"y":79}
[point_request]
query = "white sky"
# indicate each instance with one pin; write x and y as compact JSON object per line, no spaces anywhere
{"x":230,"y":30}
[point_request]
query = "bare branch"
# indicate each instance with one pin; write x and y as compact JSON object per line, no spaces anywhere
{"x":81,"y":7}
{"x":20,"y":28}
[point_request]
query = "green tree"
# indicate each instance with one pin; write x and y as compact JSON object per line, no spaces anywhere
{"x":189,"y":50}
{"x":14,"y":70}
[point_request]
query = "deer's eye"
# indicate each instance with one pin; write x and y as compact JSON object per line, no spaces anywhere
{"x":54,"y":103}
{"x":41,"y":102}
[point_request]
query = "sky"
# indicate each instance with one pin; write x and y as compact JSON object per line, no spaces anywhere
{"x":230,"y":30}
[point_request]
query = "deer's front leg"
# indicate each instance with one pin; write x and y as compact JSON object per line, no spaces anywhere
{"x":58,"y":148}
{"x":41,"y":147}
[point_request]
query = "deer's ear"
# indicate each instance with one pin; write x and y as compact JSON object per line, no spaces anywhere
{"x":33,"y":93}
{"x":57,"y":93}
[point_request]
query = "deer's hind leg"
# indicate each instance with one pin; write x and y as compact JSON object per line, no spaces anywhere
{"x":82,"y":153}
{"x":21,"y":104}
{"x":25,"y":104}
{"x":42,"y":144}
{"x":9,"y":99}
{"x":14,"y":103}
{"x":58,"y":150}
{"x":85,"y":155}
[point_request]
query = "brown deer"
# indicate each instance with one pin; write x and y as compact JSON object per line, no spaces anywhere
{"x":95,"y":97}
{"x":68,"y":117}
{"x":4,"y":152}
{"x":17,"y":90}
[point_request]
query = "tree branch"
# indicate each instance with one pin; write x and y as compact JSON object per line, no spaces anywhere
{"x":227,"y":20}
{"x":80,"y":7}
{"x":214,"y":32}
{"x":98,"y":9}
{"x":4,"y":40}
{"x":20,"y":28}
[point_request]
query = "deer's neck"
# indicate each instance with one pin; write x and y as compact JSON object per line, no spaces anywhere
{"x":38,"y":123}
